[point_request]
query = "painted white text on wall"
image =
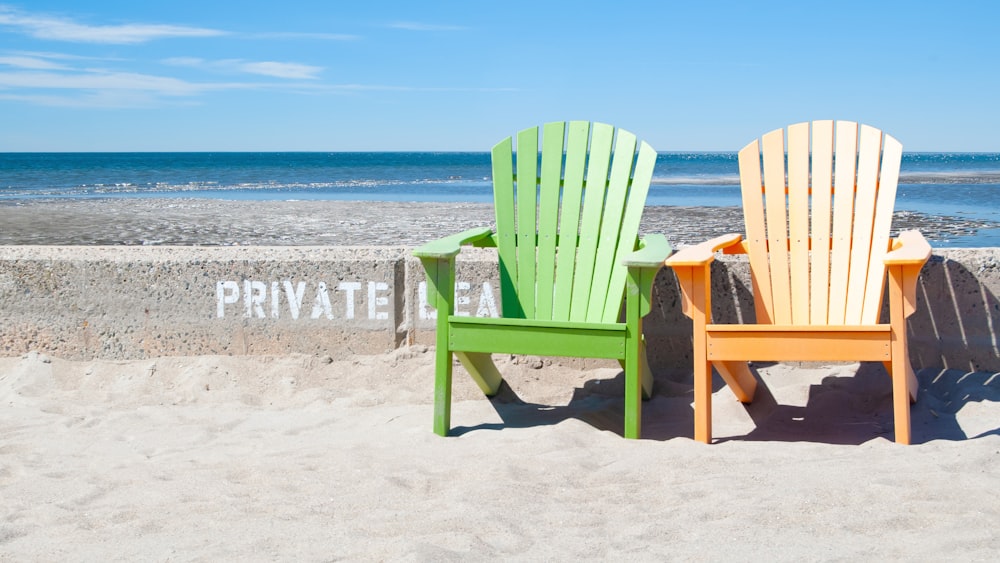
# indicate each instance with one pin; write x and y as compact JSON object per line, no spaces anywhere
{"x":300,"y":299}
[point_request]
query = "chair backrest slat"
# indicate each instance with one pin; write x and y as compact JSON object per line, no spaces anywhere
{"x":846,"y":143}
{"x":775,"y":207}
{"x":756,"y":230}
{"x":503,"y":202}
{"x":892,"y":156}
{"x":641,"y":177}
{"x":822,"y":208}
{"x":564,"y":228}
{"x":577,"y":138}
{"x":527,"y":207}
{"x":598,"y":163}
{"x":611,"y":225}
{"x":816,"y":255}
{"x":798,"y":219}
{"x":548,"y":216}
{"x":869,"y":147}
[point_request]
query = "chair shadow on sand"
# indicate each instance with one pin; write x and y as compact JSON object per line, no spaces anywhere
{"x":858,"y":408}
{"x":839,"y":410}
{"x":597,"y":403}
{"x":954,"y":351}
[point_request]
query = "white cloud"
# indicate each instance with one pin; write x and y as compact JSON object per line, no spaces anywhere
{"x":274,"y":69}
{"x":107,"y":89}
{"x":282,"y":70}
{"x":59,"y":56}
{"x":54,"y":79}
{"x":59,"y":29}
{"x":107,"y":99}
{"x":64,"y":29}
{"x":97,"y":80}
{"x":32,"y":63}
{"x":185,"y":61}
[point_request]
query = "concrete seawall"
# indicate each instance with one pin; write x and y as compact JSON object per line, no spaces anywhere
{"x":139,"y":302}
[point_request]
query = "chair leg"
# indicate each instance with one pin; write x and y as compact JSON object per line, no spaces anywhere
{"x":899,"y":367}
{"x":483,"y":371}
{"x":738,"y":377}
{"x":645,"y":371}
{"x":442,"y":390}
{"x":703,"y":401}
{"x":633,"y":391}
{"x":441,"y":277}
{"x":901,"y":400}
{"x":701,"y":315}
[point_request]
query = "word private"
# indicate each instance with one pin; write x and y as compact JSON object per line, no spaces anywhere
{"x":259,"y":299}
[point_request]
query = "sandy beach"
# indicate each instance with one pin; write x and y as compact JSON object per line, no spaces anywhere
{"x":311,"y":458}
{"x":302,"y":458}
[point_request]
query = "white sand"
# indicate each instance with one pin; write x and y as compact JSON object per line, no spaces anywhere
{"x":293,"y":458}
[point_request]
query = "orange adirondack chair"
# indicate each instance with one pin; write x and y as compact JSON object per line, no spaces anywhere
{"x":819,"y":252}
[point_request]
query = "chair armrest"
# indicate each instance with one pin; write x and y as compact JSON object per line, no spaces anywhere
{"x":703,"y":253}
{"x":643,"y":266}
{"x":653,"y":250}
{"x":904,"y":261}
{"x":451,"y":245}
{"x":909,"y":249}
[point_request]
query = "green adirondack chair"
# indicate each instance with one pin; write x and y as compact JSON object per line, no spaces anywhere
{"x":568,"y":249}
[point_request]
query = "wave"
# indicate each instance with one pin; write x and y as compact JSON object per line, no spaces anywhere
{"x":161,"y":188}
{"x":397,"y":186}
{"x":950,"y":177}
{"x":699,"y":180}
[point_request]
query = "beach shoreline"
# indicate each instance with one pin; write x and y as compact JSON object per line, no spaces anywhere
{"x":210,"y":222}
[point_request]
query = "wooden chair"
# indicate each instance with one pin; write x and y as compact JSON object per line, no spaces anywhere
{"x":566,"y":239}
{"x":819,"y":252}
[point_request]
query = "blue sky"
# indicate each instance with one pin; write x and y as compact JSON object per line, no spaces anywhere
{"x":384,"y":75}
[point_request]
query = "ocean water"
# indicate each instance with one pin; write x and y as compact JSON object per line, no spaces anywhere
{"x":965,"y":185}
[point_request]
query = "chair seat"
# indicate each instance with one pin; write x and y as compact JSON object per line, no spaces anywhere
{"x":798,"y":342}
{"x":535,"y":336}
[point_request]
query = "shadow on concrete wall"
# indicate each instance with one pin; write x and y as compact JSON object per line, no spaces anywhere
{"x":957,"y":321}
{"x":669,"y":333}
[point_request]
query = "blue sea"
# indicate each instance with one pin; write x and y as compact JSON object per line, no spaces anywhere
{"x":965,"y":185}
